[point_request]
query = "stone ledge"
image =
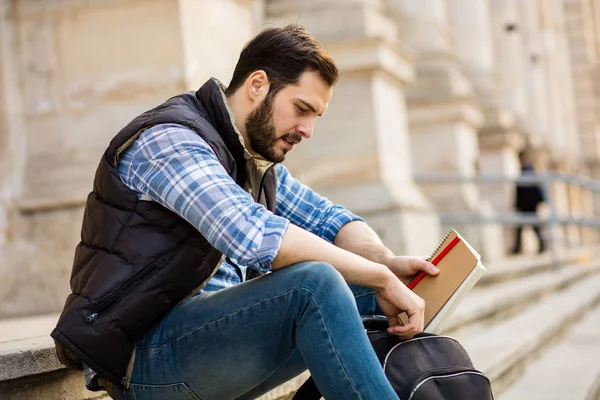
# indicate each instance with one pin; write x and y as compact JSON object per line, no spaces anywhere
{"x":28,"y":357}
{"x":61,"y":384}
{"x":490,"y":301}
{"x":26,"y":347}
{"x":30,"y":369}
{"x":501,"y":349}
{"x":569,"y":370}
{"x":526,"y":265}
{"x":27,"y":352}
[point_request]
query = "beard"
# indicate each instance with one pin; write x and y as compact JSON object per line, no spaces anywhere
{"x":262,"y":134}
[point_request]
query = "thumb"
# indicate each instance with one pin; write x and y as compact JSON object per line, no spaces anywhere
{"x":427,"y":267}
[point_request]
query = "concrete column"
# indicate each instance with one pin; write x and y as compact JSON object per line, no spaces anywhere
{"x":560,"y":80}
{"x":510,"y":59}
{"x":545,"y":39}
{"x":472,"y":33}
{"x":444,"y":116}
{"x":84,"y":71}
{"x":583,"y":51}
{"x":360,"y":155}
{"x":499,"y":137}
{"x":424,"y":25}
{"x":210,"y":47}
{"x":12,"y":146}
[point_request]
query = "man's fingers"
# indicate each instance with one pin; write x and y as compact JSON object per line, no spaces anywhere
{"x":424,"y":265}
{"x":406,"y":331}
{"x":393,"y":320}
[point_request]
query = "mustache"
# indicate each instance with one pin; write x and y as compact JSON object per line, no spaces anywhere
{"x":293,"y":136}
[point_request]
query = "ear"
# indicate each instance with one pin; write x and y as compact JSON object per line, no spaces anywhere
{"x":257,"y":85}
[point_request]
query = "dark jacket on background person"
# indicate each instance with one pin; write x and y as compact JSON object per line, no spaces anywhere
{"x":528,"y":196}
{"x":137,"y":259}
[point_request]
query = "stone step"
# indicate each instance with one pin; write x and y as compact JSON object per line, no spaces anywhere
{"x":487,"y":301}
{"x":500,"y":299}
{"x":568,"y":370}
{"x":287,"y":390}
{"x":29,"y":368}
{"x":517,"y":267}
{"x":501,"y":348}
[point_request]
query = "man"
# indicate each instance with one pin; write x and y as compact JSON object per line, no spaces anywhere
{"x":528,"y":196}
{"x":189,"y":202}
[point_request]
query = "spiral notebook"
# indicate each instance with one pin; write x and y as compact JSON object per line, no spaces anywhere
{"x":460,"y":268}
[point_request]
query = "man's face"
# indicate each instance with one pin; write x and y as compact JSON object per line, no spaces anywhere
{"x":281,"y":121}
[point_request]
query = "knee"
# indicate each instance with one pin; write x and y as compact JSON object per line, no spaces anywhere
{"x":322,"y":279}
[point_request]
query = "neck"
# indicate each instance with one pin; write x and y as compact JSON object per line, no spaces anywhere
{"x":237,"y":106}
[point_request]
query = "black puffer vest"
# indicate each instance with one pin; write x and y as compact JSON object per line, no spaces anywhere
{"x":136,"y":259}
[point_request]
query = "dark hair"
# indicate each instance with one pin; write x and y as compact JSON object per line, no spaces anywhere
{"x":284,"y":54}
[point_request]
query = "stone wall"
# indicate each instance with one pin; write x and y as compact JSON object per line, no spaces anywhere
{"x":72,"y":74}
{"x":424,"y":89}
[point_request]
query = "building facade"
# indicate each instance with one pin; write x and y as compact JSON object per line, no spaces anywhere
{"x":428,"y":88}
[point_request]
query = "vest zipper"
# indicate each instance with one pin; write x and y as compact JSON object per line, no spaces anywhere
{"x":262,"y":182}
{"x":111,"y":300}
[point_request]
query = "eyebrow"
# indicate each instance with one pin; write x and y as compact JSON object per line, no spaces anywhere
{"x":309,"y":106}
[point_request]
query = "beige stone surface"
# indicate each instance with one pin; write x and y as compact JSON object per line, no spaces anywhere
{"x":73,"y":72}
{"x":36,"y":265}
{"x":80,"y":87}
{"x":64,"y":385}
{"x":287,"y":390}
{"x":495,"y":349}
{"x":359,"y":155}
{"x":573,"y":358}
{"x":203,"y":56}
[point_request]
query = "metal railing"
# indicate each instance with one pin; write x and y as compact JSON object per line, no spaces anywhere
{"x":547,"y":181}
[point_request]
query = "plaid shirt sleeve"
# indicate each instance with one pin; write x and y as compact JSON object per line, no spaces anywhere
{"x":175,"y":167}
{"x":307,"y":209}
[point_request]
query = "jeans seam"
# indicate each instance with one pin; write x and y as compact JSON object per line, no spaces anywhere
{"x":225,"y":317}
{"x":333,"y":347}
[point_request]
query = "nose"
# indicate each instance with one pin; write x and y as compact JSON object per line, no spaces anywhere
{"x":306,"y":128}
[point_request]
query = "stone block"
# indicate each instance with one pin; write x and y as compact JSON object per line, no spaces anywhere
{"x":203,"y":57}
{"x":36,"y":264}
{"x":80,"y":87}
{"x":63,"y":384}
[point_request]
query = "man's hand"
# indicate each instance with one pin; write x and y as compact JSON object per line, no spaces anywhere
{"x":405,"y":267}
{"x":396,"y":298}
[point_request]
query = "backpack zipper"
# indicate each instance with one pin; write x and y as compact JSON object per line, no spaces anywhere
{"x":132,"y":284}
{"x":471,"y":372}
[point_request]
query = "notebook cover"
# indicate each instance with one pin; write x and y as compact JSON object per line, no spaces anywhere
{"x":455,"y":259}
{"x":436,"y":325}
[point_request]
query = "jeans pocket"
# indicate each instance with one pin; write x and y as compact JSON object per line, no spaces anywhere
{"x":173,"y":391}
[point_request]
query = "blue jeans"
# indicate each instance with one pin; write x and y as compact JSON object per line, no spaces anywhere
{"x":241,"y":342}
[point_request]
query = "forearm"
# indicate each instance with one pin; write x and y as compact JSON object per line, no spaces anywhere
{"x":299,"y":245}
{"x":358,"y":238}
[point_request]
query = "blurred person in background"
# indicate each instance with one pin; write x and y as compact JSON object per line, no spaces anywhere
{"x":528,"y":196}
{"x":205,"y":270}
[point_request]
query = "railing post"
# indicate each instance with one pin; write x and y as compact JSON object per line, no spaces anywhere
{"x":547,"y":182}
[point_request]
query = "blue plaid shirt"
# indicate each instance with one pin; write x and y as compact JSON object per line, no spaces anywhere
{"x":172,"y":165}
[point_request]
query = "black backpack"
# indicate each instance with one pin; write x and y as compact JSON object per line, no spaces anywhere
{"x":426,"y":367}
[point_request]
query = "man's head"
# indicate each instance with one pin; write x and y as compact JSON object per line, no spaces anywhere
{"x":283,"y":80}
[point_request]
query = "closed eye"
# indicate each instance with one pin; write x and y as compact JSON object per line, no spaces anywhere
{"x":301,"y":111}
